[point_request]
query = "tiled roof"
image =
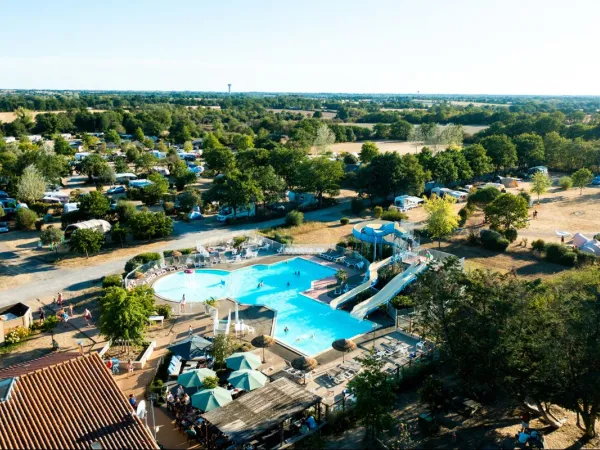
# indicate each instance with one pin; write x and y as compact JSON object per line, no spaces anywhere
{"x":68,"y":402}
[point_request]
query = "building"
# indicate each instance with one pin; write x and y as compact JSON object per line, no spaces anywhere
{"x":66,"y":400}
{"x":13,"y":316}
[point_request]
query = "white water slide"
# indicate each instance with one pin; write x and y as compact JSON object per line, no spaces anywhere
{"x":388,"y":292}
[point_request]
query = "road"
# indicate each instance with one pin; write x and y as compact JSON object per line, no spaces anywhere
{"x":49,"y":282}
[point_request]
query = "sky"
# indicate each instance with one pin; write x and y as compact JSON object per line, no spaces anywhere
{"x":355,"y":46}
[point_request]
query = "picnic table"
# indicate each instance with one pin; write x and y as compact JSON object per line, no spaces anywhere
{"x":160,"y":319}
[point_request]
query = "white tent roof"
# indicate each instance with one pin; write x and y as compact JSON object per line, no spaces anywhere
{"x":579,"y":240}
{"x":96,"y":224}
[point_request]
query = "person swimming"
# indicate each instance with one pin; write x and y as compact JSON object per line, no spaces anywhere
{"x":288,"y":283}
{"x":286,"y":330}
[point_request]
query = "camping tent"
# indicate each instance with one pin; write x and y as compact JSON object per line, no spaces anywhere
{"x":579,"y":240}
{"x":592,"y":247}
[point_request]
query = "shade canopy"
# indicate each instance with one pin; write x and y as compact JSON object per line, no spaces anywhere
{"x":243,"y":360}
{"x":343,"y":345}
{"x":191,"y":348}
{"x":304,"y":363}
{"x":247,"y":380}
{"x":209,"y":399}
{"x":263,"y":341}
{"x":195,"y":378}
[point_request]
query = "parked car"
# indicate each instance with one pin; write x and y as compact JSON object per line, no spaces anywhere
{"x":116,"y":190}
{"x":4,"y":227}
{"x":3,"y":194}
{"x":596,"y":180}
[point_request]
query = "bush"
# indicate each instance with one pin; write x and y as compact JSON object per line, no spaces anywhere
{"x":463,"y":215}
{"x":282,"y":238}
{"x":393,"y":215}
{"x":565,"y":182}
{"x":344,"y":221}
{"x":294,"y":218}
{"x":561,"y":254}
{"x":402,"y":301}
{"x":164,"y":310}
{"x":169,"y":208}
{"x":40,"y":208}
{"x":112,"y":280}
{"x":538,"y":245}
{"x":377,"y":212}
{"x":49,"y":323}
{"x":38,"y":224}
{"x":511,"y":234}
{"x":585,"y":259}
{"x":25,"y":219}
{"x":492,"y":240}
{"x":472,"y":239}
{"x":140,"y":259}
{"x":526,"y":196}
{"x":357,"y":205}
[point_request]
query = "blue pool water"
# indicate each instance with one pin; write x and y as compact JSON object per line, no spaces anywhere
{"x":312,"y":325}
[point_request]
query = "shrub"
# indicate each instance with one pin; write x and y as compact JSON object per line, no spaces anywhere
{"x":164,"y":310}
{"x":402,"y":301}
{"x":538,"y":245}
{"x":393,"y":215}
{"x":140,"y":259}
{"x":283,"y":239}
{"x":344,"y":221}
{"x":294,"y":218}
{"x":377,"y":212}
{"x":492,"y":240}
{"x":472,"y":239}
{"x":585,"y":259}
{"x":12,"y":337}
{"x":112,"y":280}
{"x":25,"y":219}
{"x":511,"y":234}
{"x":357,"y":205}
{"x":40,"y":208}
{"x":561,"y":254}
{"x":169,"y":208}
{"x":565,"y":182}
{"x":526,"y":196}
{"x":463,"y":215}
{"x":49,"y":323}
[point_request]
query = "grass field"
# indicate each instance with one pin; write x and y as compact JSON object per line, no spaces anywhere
{"x":326,"y":115}
{"x":7,"y":117}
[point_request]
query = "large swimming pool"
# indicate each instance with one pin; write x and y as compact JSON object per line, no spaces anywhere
{"x":312,"y":325}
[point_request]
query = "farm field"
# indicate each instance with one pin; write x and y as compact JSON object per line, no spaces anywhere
{"x":7,"y":117}
{"x":326,"y":114}
{"x":469,"y":129}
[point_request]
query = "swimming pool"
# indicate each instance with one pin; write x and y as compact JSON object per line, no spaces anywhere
{"x":312,"y":325}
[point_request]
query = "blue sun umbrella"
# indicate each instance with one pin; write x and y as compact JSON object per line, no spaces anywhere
{"x":247,"y":380}
{"x":243,"y":361}
{"x":194,"y":378}
{"x":209,"y":399}
{"x":191,"y":348}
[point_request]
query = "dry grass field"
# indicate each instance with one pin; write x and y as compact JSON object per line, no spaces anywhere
{"x":7,"y":117}
{"x":469,"y":129}
{"x":326,"y":114}
{"x":401,"y":147}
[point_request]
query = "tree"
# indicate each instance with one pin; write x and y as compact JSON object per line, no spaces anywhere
{"x":243,"y":141}
{"x":118,"y":233}
{"x":540,"y":183}
{"x":442,"y":220}
{"x":322,"y":176}
{"x":375,"y":399}
{"x":368,"y":151}
{"x":530,"y":150}
{"x":237,"y":189}
{"x":85,"y":240}
{"x":189,"y":199}
{"x":25,"y":219}
{"x":287,"y":162}
{"x":411,"y":176}
{"x":89,"y":141}
{"x":443,"y":169}
{"x":478,"y":160}
{"x":52,"y":236}
{"x":565,"y":182}
{"x":508,"y":211}
{"x":582,"y":178}
{"x":62,"y":147}
{"x":138,"y":134}
{"x":124,"y":314}
{"x":121,"y":165}
{"x":324,"y":138}
{"x":112,"y":136}
{"x":219,"y":159}
{"x":153,"y":193}
{"x":93,"y":166}
{"x":148,"y":225}
{"x":31,"y":186}
{"x":221,"y":349}
{"x":400,"y":130}
{"x":188,"y":146}
{"x":483,"y":197}
{"x":271,"y":185}
{"x":501,"y":150}
{"x":93,"y":205}
{"x":145,"y":162}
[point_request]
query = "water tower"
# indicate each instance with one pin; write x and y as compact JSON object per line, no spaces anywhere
{"x":229,"y":88}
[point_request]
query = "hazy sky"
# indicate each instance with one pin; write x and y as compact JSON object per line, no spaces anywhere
{"x":393,"y":46}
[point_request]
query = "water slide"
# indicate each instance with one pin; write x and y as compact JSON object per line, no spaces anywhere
{"x":371,"y":278}
{"x":388,"y":292}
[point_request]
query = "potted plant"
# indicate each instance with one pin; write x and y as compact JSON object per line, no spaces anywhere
{"x":341,"y":276}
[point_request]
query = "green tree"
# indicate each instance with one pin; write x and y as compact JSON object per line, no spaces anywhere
{"x":112,"y":136}
{"x":478,"y":160}
{"x":124,"y":314}
{"x":121,"y":165}
{"x":582,"y":178}
{"x":368,"y":151}
{"x":324,"y":138}
{"x":219,"y":159}
{"x":483,"y":197}
{"x":31,"y":186}
{"x":138,"y":134}
{"x":211,"y":142}
{"x":93,"y":205}
{"x":145,"y":162}
{"x":442,"y":219}
{"x":52,"y":236}
{"x":62,"y":147}
{"x":237,"y":189}
{"x":89,"y":141}
{"x":93,"y":166}
{"x":540,"y":183}
{"x":270,"y":184}
{"x":118,"y":233}
{"x":443,"y":169}
{"x":243,"y":141}
{"x":153,"y":193}
{"x":287,"y":163}
{"x":400,"y":130}
{"x":508,"y":211}
{"x":150,"y":225}
{"x":501,"y":150}
{"x":375,"y":399}
{"x":85,"y":240}
{"x":221,"y":350}
{"x":322,"y":176}
{"x":188,"y":146}
{"x":565,"y":182}
{"x":189,"y":199}
{"x":530,"y":149}
{"x":25,"y":219}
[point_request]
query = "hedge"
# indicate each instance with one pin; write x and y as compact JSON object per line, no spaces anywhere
{"x":294,"y":218}
{"x":492,"y":240}
{"x":140,"y":259}
{"x":393,"y":215}
{"x":561,"y":254}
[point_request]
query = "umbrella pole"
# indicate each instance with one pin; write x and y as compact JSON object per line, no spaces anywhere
{"x":264,"y":361}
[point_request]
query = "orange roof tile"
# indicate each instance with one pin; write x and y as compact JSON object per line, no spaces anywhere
{"x":68,"y":402}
